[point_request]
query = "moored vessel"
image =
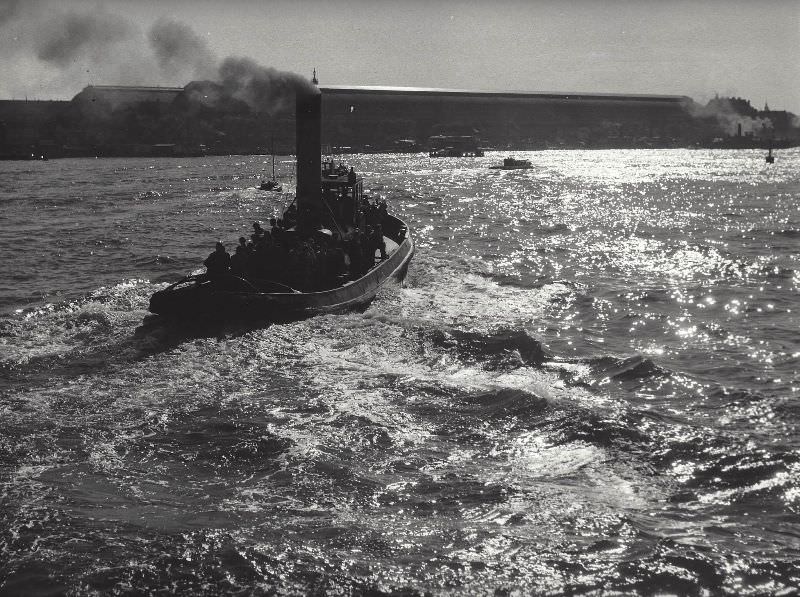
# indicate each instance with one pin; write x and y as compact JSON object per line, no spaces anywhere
{"x":333,"y":251}
{"x":770,"y":158}
{"x":270,"y":185}
{"x":513,"y":164}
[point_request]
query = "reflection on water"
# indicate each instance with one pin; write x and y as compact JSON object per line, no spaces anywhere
{"x":588,"y":382}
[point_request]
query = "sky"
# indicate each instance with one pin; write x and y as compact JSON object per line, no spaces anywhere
{"x":52,"y":49}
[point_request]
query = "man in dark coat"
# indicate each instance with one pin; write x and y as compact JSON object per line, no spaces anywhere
{"x":218,"y":263}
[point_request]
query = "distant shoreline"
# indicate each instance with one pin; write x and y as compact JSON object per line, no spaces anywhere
{"x":39,"y":157}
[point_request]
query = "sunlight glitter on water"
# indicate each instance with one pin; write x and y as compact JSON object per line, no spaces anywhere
{"x":588,"y":383}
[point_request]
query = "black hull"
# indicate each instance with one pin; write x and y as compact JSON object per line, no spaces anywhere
{"x":203,"y":299}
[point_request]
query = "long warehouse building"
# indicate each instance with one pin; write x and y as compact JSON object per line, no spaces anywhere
{"x":362,"y":116}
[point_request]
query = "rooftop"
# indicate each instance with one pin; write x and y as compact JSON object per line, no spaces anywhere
{"x":133,"y":88}
{"x":383,"y":90}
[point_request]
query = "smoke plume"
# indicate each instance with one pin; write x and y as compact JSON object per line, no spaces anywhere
{"x":51,"y":51}
{"x":70,"y":35}
{"x":242,"y":80}
{"x":179,"y":50}
{"x":261,"y":88}
{"x":728,"y":117}
{"x":749,"y":125}
{"x":9,"y":9}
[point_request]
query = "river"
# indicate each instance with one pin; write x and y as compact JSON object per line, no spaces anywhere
{"x":588,"y":382}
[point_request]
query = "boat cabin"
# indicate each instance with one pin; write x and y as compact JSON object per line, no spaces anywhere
{"x":342,"y":196}
{"x":514,"y":163}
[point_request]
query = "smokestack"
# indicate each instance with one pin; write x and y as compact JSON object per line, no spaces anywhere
{"x":309,"y":147}
{"x":739,"y":130}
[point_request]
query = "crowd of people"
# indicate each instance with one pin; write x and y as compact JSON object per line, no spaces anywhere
{"x":302,"y":257}
{"x":329,"y":168}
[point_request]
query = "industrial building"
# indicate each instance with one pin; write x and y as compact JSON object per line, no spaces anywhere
{"x":125,"y":121}
{"x":118,"y":96}
{"x":366,"y":116}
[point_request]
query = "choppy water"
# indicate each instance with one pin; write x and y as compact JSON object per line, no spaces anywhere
{"x":588,"y":383}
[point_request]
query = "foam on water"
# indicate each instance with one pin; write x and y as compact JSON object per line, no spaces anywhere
{"x":588,"y":383}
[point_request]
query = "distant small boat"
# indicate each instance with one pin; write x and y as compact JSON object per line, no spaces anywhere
{"x":770,"y":158}
{"x":271,"y":184}
{"x":446,"y":152}
{"x":512,"y":164}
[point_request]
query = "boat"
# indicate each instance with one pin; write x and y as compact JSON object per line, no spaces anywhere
{"x":513,"y":164}
{"x":770,"y":158}
{"x":454,"y":146}
{"x":271,"y":184}
{"x":446,"y":152}
{"x":329,"y":204}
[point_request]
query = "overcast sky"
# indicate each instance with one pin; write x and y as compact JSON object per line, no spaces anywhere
{"x":750,"y":48}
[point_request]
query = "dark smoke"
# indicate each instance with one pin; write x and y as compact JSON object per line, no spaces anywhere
{"x":9,"y":9}
{"x":242,"y":84}
{"x":69,"y":35}
{"x":262,"y":88}
{"x":178,"y":49}
{"x":100,"y":47}
{"x":204,"y":93}
{"x":234,"y":82}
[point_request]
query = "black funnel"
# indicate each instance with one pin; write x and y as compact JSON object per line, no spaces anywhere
{"x":309,"y":148}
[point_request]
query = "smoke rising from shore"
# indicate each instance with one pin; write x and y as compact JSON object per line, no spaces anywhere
{"x":178,"y":48}
{"x":9,"y":10}
{"x":728,"y":118}
{"x":73,"y":34}
{"x":48,"y":50}
{"x":750,"y":125}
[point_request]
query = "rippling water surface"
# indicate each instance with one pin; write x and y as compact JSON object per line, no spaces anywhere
{"x":589,"y":382}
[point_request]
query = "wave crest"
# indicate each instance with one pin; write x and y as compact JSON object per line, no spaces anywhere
{"x":495,"y":350}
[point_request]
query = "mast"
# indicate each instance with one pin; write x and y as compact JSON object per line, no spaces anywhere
{"x":308,"y":132}
{"x":273,"y":157}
